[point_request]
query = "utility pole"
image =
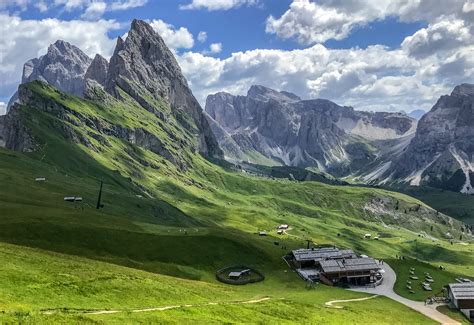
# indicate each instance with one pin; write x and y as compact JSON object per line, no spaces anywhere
{"x":99,"y":205}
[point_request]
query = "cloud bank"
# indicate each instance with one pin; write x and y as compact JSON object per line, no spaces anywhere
{"x":427,"y":64}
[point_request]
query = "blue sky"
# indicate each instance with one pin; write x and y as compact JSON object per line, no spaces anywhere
{"x":240,"y":29}
{"x":374,"y":55}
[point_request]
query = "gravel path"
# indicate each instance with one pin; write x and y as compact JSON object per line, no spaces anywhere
{"x":332,"y":302}
{"x":386,"y":289}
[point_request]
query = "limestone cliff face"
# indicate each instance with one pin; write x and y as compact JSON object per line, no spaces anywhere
{"x":97,"y":70}
{"x":143,"y":67}
{"x":442,"y":151}
{"x":14,"y":134}
{"x":376,"y":147}
{"x":63,"y":66}
{"x":296,"y":132}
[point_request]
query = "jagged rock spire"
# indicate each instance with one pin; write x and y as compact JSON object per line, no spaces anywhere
{"x":97,"y":70}
{"x":143,"y":63}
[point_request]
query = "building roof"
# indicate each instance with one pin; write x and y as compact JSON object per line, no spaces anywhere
{"x":352,"y":264}
{"x":235,"y":274}
{"x":462,"y":290}
{"x":238,"y":273}
{"x":320,"y":254}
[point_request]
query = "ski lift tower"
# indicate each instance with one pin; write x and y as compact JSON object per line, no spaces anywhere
{"x":99,"y":203}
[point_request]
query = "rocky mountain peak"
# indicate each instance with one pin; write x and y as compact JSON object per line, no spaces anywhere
{"x":97,"y":70}
{"x":442,"y":152}
{"x":463,"y":90}
{"x":144,"y":67}
{"x":144,"y":58}
{"x":264,"y":93}
{"x":284,"y":129}
{"x":71,"y":57}
{"x":61,"y":46}
{"x":141,"y":28}
{"x":141,"y":67}
{"x":63,"y":66}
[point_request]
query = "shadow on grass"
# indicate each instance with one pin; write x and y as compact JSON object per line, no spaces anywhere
{"x":430,"y":252}
{"x":186,"y":256}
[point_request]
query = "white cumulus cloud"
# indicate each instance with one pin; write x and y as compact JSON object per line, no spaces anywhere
{"x":42,"y":6}
{"x":202,"y":37}
{"x":179,"y":38}
{"x":215,"y":48}
{"x":312,"y":22}
{"x":212,"y":5}
{"x":375,"y":78}
{"x":445,"y":35}
{"x":127,"y":4}
{"x":95,"y":10}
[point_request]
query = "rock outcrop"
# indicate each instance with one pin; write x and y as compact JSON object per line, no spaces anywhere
{"x":14,"y":134}
{"x":442,"y":152}
{"x":290,"y":131}
{"x":97,"y":70}
{"x":63,"y":66}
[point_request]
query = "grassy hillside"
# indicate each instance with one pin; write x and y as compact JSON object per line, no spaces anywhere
{"x":403,"y":267}
{"x":457,"y":205}
{"x":172,"y":218}
{"x":63,"y":288}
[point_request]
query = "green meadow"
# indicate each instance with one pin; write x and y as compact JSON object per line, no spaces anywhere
{"x":164,"y":231}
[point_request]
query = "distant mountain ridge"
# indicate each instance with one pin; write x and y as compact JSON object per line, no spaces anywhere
{"x":307,"y":133}
{"x":378,"y":148}
{"x":442,"y":152}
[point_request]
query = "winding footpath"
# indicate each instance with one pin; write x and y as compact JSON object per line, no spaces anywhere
{"x":386,"y":289}
{"x":143,"y":310}
{"x":332,"y":302}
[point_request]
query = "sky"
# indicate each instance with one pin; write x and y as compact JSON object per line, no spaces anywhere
{"x":378,"y":55}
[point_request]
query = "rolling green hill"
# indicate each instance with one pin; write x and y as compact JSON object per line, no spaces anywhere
{"x":171,"y":218}
{"x":454,"y":204}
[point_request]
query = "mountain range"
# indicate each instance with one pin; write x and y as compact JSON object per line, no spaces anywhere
{"x":266,"y":126}
{"x":278,"y":128}
{"x":307,"y":133}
